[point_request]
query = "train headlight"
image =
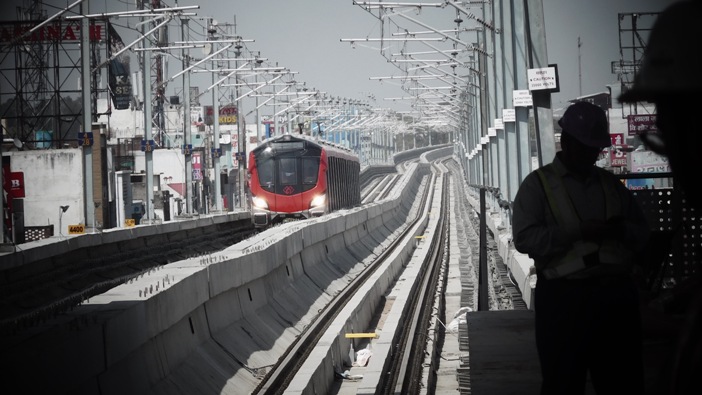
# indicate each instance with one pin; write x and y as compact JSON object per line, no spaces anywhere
{"x":259,"y":202}
{"x":319,"y":200}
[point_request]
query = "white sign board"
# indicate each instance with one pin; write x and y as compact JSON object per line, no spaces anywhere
{"x":648,"y":162}
{"x":544,"y":78}
{"x":492,"y":132}
{"x":485,"y":139}
{"x":522,"y":98}
{"x":225,"y":138}
{"x":499,"y":124}
{"x":509,"y":115}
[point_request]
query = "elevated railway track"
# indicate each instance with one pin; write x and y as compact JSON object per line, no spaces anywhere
{"x":262,"y":346}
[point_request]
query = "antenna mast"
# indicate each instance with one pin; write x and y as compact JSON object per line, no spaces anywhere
{"x":580,"y":71}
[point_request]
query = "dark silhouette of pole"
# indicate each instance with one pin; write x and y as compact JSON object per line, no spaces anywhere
{"x":483,"y":303}
{"x":580,"y":72}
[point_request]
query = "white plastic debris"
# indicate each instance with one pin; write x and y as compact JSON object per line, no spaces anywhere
{"x":362,"y":356}
{"x":458,"y":318}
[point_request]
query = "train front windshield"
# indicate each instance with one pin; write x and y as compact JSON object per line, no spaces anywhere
{"x":288,"y":169}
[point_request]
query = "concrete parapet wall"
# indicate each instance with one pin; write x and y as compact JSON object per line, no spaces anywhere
{"x":46,"y":249}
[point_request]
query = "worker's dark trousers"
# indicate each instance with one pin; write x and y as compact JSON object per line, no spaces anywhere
{"x":590,"y":325}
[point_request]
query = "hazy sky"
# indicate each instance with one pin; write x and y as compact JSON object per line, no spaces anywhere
{"x":596,"y":23}
{"x":305,"y":36}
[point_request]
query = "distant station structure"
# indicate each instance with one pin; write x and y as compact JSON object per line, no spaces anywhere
{"x":40,"y":68}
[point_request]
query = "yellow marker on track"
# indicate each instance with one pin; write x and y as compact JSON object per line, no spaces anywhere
{"x":361,"y":335}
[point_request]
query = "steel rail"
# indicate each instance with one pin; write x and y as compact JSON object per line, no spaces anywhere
{"x":282,"y":373}
{"x":403,"y":368}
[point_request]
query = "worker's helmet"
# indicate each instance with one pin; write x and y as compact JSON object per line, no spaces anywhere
{"x":670,"y":65}
{"x":587,"y":123}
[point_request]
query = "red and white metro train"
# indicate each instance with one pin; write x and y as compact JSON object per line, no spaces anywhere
{"x":296,"y":177}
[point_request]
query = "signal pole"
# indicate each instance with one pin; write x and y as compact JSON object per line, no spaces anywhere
{"x":580,"y":73}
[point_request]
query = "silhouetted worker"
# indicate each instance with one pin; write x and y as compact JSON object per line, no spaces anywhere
{"x":581,"y":225}
{"x":670,"y":76}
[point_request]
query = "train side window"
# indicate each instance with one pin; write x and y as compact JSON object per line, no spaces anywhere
{"x":310,"y":169}
{"x":287,"y":171}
